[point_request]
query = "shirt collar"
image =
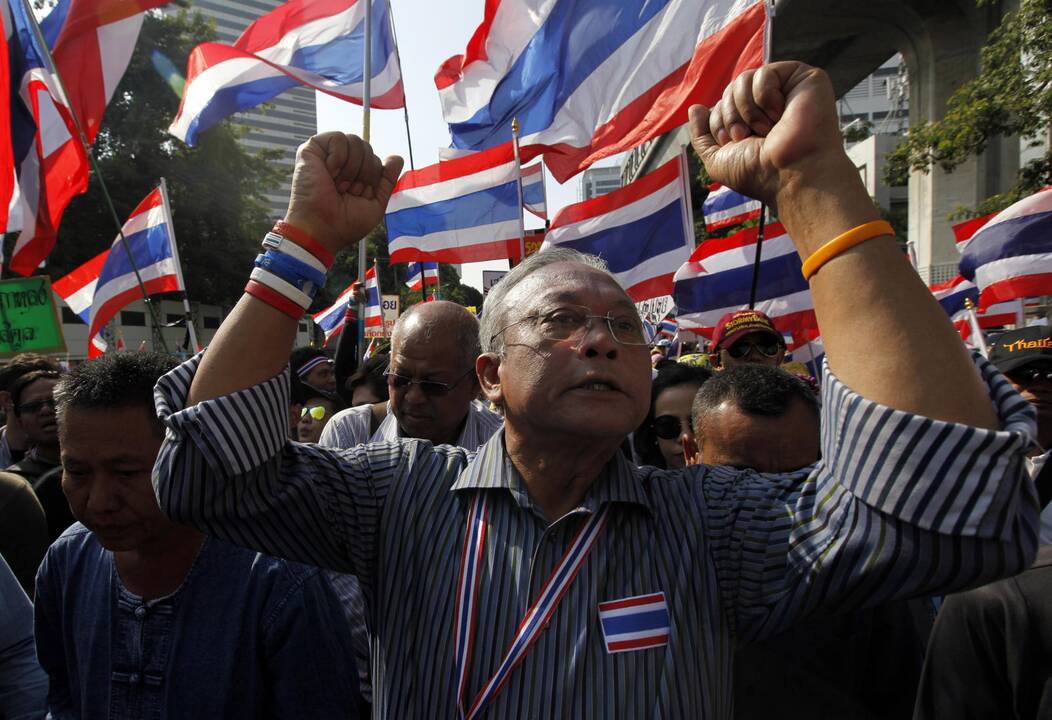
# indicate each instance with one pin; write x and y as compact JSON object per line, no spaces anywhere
{"x":492,"y":469}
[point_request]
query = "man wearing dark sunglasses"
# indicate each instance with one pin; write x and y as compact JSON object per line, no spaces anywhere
{"x":432,"y":385}
{"x":746,"y":336}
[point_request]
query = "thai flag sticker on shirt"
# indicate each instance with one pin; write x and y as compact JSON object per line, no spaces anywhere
{"x":635,"y":623}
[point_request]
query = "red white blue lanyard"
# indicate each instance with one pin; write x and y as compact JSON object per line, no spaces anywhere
{"x":536,"y":617}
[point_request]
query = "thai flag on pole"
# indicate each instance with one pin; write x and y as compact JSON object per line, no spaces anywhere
{"x":150,"y":242}
{"x":591,"y":78}
{"x":7,"y":160}
{"x":533,"y":196}
{"x":723,"y":207}
{"x":421,"y":274}
{"x":952,"y":294}
{"x":458,"y":211}
{"x":642,"y":230}
{"x":50,"y":162}
{"x":373,"y":313}
{"x":1011,"y":256}
{"x":316,"y":43}
{"x":78,"y":291}
{"x":92,"y":42}
{"x":669,"y":327}
{"x":718,"y":277}
{"x":635,"y":623}
{"x":332,"y":319}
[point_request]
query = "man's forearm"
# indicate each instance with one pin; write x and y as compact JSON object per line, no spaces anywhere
{"x":252,"y":345}
{"x":885,"y":335}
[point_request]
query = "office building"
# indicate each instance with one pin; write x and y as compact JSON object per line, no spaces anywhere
{"x":599,"y":181}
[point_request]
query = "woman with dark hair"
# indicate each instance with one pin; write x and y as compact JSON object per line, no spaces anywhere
{"x":666,"y":432}
{"x":368,"y":385}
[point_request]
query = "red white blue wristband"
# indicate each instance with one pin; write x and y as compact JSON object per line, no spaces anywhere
{"x":281,"y":287}
{"x":275,"y":300}
{"x":300,"y":275}
{"x":304,"y":240}
{"x":279,"y":243}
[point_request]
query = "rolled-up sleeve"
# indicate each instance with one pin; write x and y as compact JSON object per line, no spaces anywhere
{"x":228,"y":468}
{"x":900,"y":505}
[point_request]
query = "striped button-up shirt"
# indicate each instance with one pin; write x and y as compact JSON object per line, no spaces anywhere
{"x":351,"y":427}
{"x":901,"y":505}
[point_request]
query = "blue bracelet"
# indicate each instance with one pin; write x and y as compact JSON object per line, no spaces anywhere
{"x":296,"y":273}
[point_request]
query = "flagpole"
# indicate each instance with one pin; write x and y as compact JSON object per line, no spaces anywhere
{"x":53,"y":70}
{"x":405,"y":100}
{"x":167,"y":205}
{"x":367,"y":76}
{"x":977,"y":330}
{"x":759,"y":254}
{"x":518,"y":185}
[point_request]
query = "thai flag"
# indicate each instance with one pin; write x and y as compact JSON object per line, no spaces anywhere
{"x":668,"y":327}
{"x":952,"y":294}
{"x":78,"y":291}
{"x":315,"y":43}
{"x":718,"y":277}
{"x":641,"y":230}
{"x":421,"y":274}
{"x":7,"y":160}
{"x":458,"y":211}
{"x":332,"y":319}
{"x":723,"y":207}
{"x":92,"y":42}
{"x":373,"y":313}
{"x":591,"y":78}
{"x":149,"y":240}
{"x":635,"y":623}
{"x":533,"y":197}
{"x":1011,"y":256}
{"x":963,"y":231}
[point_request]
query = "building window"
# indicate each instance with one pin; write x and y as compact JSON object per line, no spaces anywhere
{"x":210,"y":322}
{"x":303,"y":327}
{"x":68,"y":316}
{"x":170,"y":318}
{"x":133,"y":318}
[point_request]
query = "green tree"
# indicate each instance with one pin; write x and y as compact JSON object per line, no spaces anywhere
{"x":1011,"y":95}
{"x":216,"y":188}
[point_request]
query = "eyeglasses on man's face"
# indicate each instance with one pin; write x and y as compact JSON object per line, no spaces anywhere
{"x":36,"y":406}
{"x":742,"y":348}
{"x":432,"y":388}
{"x":574,"y":322}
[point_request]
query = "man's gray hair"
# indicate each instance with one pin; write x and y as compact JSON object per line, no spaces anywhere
{"x":494,"y":311}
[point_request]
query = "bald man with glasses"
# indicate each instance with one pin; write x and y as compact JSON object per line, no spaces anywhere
{"x":432,"y":385}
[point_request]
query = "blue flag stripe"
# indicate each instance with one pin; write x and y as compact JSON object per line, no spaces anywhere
{"x":484,"y":207}
{"x":1026,"y":235}
{"x":148,"y":247}
{"x":779,"y":277}
{"x":635,"y":622}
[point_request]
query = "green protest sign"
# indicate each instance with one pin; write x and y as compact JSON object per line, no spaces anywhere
{"x":29,"y":321}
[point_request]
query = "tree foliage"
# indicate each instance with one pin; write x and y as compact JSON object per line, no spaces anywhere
{"x":216,"y":189}
{"x":1011,"y":95}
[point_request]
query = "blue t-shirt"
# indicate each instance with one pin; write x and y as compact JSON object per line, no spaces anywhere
{"x":245,"y":635}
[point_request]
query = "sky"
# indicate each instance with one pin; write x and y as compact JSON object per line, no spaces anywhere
{"x":428,"y":33}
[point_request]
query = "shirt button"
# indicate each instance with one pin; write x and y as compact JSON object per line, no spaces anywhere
{"x":134,"y":678}
{"x":140,"y":612}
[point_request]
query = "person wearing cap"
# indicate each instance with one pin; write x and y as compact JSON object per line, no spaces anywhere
{"x":746,"y":336}
{"x":1025,"y":358}
{"x":314,"y":369}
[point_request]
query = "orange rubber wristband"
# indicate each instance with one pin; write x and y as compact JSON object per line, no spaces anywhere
{"x":843,"y":242}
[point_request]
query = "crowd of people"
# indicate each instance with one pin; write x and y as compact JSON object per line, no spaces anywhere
{"x":536,"y":513}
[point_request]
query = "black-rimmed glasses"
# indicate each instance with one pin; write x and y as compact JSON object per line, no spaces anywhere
{"x":428,"y":387}
{"x":574,"y":322}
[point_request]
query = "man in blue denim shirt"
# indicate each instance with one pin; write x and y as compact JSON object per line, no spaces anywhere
{"x":137,"y":617}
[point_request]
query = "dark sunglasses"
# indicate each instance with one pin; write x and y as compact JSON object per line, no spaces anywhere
{"x":428,"y":387}
{"x":741,"y":349}
{"x":317,"y":412}
{"x":1029,"y":375}
{"x":36,"y":406}
{"x":668,"y":427}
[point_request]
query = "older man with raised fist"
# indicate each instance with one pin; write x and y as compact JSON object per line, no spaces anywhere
{"x":546,"y":577}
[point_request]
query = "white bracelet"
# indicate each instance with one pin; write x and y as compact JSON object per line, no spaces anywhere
{"x":281,"y":287}
{"x":280,"y":243}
